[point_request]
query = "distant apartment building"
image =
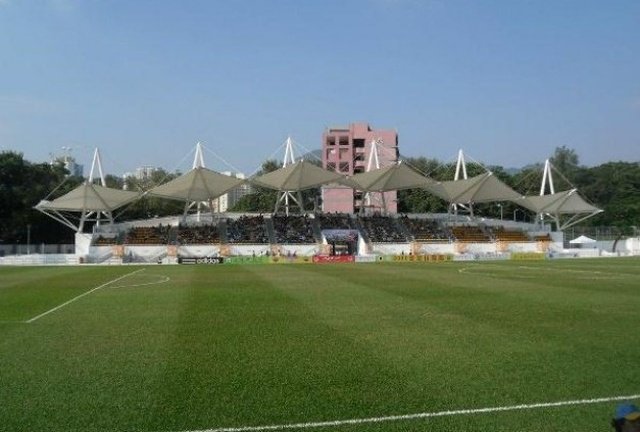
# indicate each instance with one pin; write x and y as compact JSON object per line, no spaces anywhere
{"x":347,"y":150}
{"x":225,"y":202}
{"x":75,"y":169}
{"x":145,"y":172}
{"x":141,"y":173}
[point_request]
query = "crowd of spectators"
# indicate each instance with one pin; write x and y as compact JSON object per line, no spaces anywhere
{"x":200,"y":234}
{"x":335,"y":221}
{"x":299,"y":229}
{"x":248,"y":230}
{"x":382,"y":229}
{"x":293,"y":229}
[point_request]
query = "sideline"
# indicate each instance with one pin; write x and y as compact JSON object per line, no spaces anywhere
{"x":418,"y":416}
{"x":29,"y":321}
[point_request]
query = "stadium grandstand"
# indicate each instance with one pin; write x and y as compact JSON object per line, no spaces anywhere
{"x":368,"y":234}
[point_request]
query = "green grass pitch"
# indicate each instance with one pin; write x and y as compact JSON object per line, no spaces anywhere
{"x":186,"y":348}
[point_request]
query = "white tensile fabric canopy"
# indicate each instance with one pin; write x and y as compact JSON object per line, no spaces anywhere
{"x":297,"y":177}
{"x":393,"y":177}
{"x":89,"y":197}
{"x":565,"y":202}
{"x":91,"y":201}
{"x":198,"y":185}
{"x":481,"y":188}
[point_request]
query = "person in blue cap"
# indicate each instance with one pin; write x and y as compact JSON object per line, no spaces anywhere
{"x":627,"y":418}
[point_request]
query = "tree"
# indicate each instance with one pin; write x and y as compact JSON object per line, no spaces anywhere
{"x":614,"y":187}
{"x":147,"y":206}
{"x":566,"y":161}
{"x":22,"y":186}
{"x":260,"y":199}
{"x":419,"y":200}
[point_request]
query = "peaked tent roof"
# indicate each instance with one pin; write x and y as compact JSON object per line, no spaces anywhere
{"x":90,"y":197}
{"x":565,"y":202}
{"x":582,"y":240}
{"x":298,"y":176}
{"x":199,"y":184}
{"x":481,"y":188}
{"x":393,"y":177}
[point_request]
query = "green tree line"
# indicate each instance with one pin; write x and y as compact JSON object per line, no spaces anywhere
{"x":612,"y":186}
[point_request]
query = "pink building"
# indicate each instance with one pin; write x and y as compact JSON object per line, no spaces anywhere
{"x":347,"y":150}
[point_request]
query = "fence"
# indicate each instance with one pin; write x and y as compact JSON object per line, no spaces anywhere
{"x":24,"y":249}
{"x":601,"y":233}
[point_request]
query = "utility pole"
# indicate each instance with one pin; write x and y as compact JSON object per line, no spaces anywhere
{"x":28,"y":239}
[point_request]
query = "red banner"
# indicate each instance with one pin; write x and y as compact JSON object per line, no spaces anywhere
{"x":326,"y":259}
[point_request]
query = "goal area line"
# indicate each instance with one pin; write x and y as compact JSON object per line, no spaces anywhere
{"x":60,"y":306}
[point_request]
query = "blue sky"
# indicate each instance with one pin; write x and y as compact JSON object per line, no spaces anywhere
{"x":506,"y":81}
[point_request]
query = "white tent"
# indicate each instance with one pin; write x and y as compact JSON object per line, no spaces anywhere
{"x":582,"y":240}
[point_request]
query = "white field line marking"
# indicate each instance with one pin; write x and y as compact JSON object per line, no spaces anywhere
{"x":161,"y":279}
{"x":418,"y":416}
{"x":80,"y":296}
{"x":582,"y":274}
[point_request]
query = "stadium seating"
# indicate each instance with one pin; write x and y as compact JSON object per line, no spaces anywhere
{"x":148,"y":235}
{"x":293,"y":229}
{"x":426,"y":230}
{"x":470,"y":234}
{"x":381,"y":229}
{"x":501,"y":233}
{"x":247,"y":230}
